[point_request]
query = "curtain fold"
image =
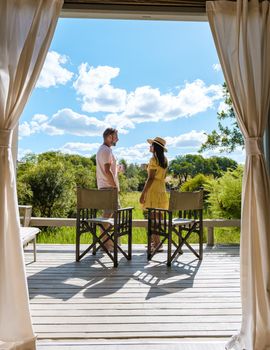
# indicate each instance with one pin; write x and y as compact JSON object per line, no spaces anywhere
{"x":26,"y":30}
{"x":241,"y":31}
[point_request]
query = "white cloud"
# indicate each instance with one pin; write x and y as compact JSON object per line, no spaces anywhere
{"x":65,"y":121}
{"x":182,"y":144}
{"x":29,"y":128}
{"x":120,"y":122}
{"x":138,"y":153}
{"x":216,"y":67}
{"x":40,"y":118}
{"x":238,"y":154}
{"x":53,"y":73}
{"x":144,"y":104}
{"x":25,"y":129}
{"x":94,"y":87}
{"x":147,"y":104}
{"x":192,"y":139}
{"x":80,"y":148}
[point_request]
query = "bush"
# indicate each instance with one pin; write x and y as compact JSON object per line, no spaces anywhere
{"x":225,"y":195}
{"x":52,"y":189}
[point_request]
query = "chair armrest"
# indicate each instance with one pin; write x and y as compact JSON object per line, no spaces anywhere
{"x":123,"y":209}
{"x":25,"y":214}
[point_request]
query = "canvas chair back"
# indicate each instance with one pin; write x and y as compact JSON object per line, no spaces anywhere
{"x":97,"y":199}
{"x":186,"y":200}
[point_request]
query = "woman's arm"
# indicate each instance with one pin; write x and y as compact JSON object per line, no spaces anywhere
{"x":147,"y":185}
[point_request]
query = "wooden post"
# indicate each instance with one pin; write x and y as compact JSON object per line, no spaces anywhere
{"x":210,"y":237}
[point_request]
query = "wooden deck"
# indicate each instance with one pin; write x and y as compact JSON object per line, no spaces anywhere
{"x":93,"y":302}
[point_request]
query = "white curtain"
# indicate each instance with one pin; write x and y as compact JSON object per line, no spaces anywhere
{"x":26,"y":30}
{"x":241,"y":32}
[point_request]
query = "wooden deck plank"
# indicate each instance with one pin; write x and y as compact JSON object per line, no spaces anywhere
{"x":138,"y":300}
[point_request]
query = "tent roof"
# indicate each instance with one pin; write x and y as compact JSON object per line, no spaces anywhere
{"x":136,"y":9}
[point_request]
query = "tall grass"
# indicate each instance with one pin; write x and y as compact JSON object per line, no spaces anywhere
{"x":67,"y":235}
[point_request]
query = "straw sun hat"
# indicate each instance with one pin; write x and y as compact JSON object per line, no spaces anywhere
{"x":159,"y":141}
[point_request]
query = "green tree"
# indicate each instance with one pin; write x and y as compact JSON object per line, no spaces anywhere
{"x":52,"y":187}
{"x":227,"y":137}
{"x":190,"y":165}
{"x":186,"y":166}
{"x":123,"y":183}
{"x":142,"y":177}
{"x":216,"y":166}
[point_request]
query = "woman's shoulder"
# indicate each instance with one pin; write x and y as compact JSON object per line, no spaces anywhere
{"x":153,"y":161}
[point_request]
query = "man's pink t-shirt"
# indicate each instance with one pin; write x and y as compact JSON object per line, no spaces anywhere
{"x":105,"y":156}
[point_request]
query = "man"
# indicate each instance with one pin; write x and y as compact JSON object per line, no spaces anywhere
{"x":106,"y":169}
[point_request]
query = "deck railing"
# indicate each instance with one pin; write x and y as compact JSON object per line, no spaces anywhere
{"x":210,"y":224}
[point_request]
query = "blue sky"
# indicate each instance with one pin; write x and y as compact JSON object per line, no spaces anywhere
{"x":146,"y":78}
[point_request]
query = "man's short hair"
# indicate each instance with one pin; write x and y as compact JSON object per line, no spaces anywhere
{"x":109,"y":131}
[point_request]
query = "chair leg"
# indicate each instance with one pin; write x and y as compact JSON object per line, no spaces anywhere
{"x":115,"y":252}
{"x":130,"y":245}
{"x":94,"y":241}
{"x":77,"y":246}
{"x":201,"y":244}
{"x":169,"y":253}
{"x":149,"y":246}
{"x":35,"y":248}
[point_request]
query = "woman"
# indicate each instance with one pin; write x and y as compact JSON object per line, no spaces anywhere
{"x":154,"y":192}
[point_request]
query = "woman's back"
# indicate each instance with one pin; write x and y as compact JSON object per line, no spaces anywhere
{"x":160,"y":173}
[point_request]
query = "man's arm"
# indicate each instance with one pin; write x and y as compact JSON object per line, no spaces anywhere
{"x":107,"y":168}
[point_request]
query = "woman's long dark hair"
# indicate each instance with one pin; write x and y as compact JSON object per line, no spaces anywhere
{"x":159,"y":155}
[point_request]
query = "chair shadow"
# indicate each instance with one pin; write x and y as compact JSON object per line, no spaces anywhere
{"x":159,"y":277}
{"x":101,"y":280}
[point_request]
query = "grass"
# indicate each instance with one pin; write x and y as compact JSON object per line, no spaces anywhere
{"x":66,"y":235}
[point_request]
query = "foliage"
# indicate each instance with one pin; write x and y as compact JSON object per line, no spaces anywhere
{"x":227,"y":137}
{"x":225,"y":194}
{"x":190,"y":165}
{"x":66,"y":235}
{"x":52,"y":188}
{"x":195,"y":183}
{"x":133,"y":178}
{"x":48,"y":182}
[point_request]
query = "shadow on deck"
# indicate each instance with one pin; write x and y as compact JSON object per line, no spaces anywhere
{"x":91,"y":300}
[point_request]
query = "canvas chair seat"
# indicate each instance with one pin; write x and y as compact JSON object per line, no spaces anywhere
{"x":108,"y":221}
{"x":89,"y":203}
{"x":182,"y":222}
{"x":168,"y":225}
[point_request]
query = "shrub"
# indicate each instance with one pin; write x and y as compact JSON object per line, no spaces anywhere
{"x":225,"y":194}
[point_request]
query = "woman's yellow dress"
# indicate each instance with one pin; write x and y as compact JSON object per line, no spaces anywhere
{"x":156,"y":197}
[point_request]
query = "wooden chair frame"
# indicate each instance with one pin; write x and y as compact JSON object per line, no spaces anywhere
{"x":28,"y":234}
{"x":189,"y":206}
{"x":89,"y":202}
